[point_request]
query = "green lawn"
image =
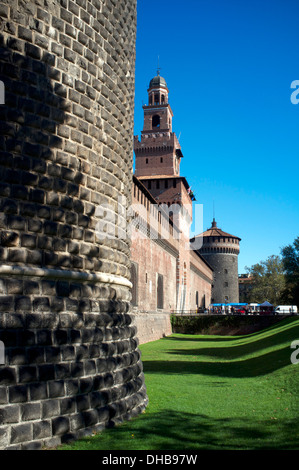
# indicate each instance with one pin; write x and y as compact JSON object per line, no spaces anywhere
{"x":214,"y":392}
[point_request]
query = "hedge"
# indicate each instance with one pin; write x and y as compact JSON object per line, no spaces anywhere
{"x":221,"y":324}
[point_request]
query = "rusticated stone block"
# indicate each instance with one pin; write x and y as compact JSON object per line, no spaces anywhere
{"x":41,"y":429}
{"x":50,"y":408}
{"x":30,"y":411}
{"x":38,"y":391}
{"x":21,"y":433}
{"x":18,"y":394}
{"x":60,"y":425}
{"x":7,"y":376}
{"x":9,"y":414}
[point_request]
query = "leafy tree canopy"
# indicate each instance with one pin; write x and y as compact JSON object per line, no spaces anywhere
{"x":290,"y":260}
{"x":268,"y":280}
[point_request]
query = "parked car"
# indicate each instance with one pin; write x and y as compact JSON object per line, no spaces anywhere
{"x":286,"y":309}
{"x":266,"y":312}
{"x":241,"y":311}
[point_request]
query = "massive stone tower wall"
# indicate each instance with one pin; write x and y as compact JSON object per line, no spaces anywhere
{"x":225,"y":271}
{"x":72,"y":362}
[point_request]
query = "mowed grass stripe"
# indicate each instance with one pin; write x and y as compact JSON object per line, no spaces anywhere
{"x":214,"y":392}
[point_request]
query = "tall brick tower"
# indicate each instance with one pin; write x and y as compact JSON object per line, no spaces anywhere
{"x":157,"y":166}
{"x":159,"y":152}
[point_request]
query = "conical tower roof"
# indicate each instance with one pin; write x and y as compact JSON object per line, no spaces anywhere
{"x":215,"y":231}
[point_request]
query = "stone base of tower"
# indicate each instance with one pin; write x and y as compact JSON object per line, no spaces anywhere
{"x":72,"y":363}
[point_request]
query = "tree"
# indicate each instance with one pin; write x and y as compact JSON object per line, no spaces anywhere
{"x":268,"y":280}
{"x":290,"y":259}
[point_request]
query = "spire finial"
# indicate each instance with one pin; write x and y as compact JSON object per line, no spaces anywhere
{"x":214,"y":224}
{"x":158,"y":68}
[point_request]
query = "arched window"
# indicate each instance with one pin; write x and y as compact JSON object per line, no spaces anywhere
{"x":156,"y":121}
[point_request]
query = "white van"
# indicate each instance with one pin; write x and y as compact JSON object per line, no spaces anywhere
{"x":253,"y":308}
{"x":286,"y":309}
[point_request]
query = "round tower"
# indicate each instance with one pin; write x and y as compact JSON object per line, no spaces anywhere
{"x":221,"y":250}
{"x":71,"y":363}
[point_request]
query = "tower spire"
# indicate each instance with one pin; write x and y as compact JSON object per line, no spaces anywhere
{"x":158,"y":68}
{"x":214,"y":224}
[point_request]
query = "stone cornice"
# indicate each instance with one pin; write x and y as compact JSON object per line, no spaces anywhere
{"x":64,"y":274}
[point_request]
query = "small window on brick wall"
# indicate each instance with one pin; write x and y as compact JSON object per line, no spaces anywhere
{"x":160,"y":293}
{"x":134,"y":280}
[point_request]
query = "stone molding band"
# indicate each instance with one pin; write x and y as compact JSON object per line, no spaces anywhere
{"x":64,"y":274}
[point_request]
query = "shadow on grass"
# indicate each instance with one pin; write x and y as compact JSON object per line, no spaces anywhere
{"x":251,"y":367}
{"x":285,"y":323}
{"x":254,"y":346}
{"x":173,"y":430}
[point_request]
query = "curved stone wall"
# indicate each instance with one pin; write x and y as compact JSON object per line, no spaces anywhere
{"x":72,"y":363}
{"x":225,"y":285}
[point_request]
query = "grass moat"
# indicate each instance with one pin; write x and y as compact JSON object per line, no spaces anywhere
{"x":214,"y":393}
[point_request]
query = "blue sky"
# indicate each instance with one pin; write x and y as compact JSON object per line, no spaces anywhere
{"x":229,"y":65}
